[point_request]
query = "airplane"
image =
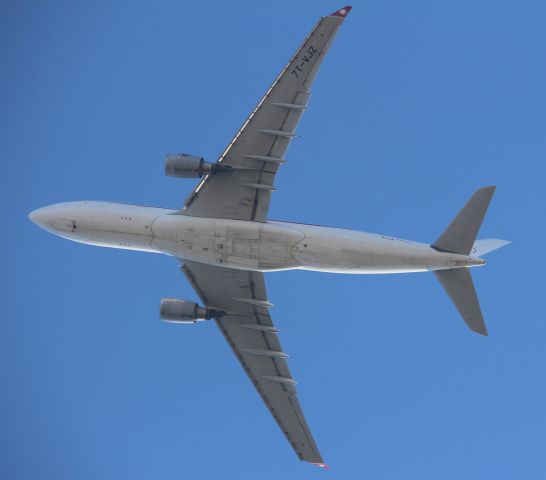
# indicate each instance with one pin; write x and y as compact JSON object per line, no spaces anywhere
{"x":226,"y":243}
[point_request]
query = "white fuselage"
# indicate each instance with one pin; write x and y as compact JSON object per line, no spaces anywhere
{"x":257,"y":246}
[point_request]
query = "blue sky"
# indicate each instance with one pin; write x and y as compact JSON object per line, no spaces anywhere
{"x":417,"y":105}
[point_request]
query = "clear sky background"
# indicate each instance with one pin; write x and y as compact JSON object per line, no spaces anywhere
{"x":417,"y":105}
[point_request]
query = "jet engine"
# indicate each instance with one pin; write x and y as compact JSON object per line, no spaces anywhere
{"x":184,"y":165}
{"x":184,"y":311}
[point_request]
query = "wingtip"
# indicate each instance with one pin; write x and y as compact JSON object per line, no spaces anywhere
{"x":342,"y":12}
{"x":322,"y":465}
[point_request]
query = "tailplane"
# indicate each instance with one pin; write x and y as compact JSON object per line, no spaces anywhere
{"x":460,"y":238}
{"x":459,"y":286}
{"x":462,"y":231}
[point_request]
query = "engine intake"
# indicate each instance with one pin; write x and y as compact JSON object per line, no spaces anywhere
{"x":184,"y":165}
{"x":184,"y":311}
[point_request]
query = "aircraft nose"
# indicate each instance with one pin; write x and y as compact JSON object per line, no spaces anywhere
{"x":40,"y":217}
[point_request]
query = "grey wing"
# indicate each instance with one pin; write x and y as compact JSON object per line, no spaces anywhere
{"x":260,"y":144}
{"x":250,"y":332}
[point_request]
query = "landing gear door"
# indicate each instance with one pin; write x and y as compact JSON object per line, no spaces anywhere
{"x":243,"y":247}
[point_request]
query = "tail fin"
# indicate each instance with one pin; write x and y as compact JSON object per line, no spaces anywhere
{"x":482,"y":247}
{"x":462,"y":231}
{"x":460,"y":288}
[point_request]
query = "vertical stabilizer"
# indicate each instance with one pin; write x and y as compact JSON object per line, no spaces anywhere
{"x":460,"y":288}
{"x":463,"y":230}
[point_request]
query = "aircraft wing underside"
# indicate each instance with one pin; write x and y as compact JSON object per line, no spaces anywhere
{"x":258,"y":148}
{"x":250,"y":332}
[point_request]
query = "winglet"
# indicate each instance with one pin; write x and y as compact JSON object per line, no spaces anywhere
{"x":322,"y":465}
{"x":342,"y":12}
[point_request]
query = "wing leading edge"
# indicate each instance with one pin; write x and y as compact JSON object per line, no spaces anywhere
{"x":250,"y":332}
{"x":260,"y":144}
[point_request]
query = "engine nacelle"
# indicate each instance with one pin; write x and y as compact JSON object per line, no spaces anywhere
{"x":183,"y":165}
{"x":183,"y":311}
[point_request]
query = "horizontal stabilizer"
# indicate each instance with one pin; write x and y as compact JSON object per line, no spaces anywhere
{"x":459,"y":286}
{"x":461,"y":233}
{"x":482,"y":247}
